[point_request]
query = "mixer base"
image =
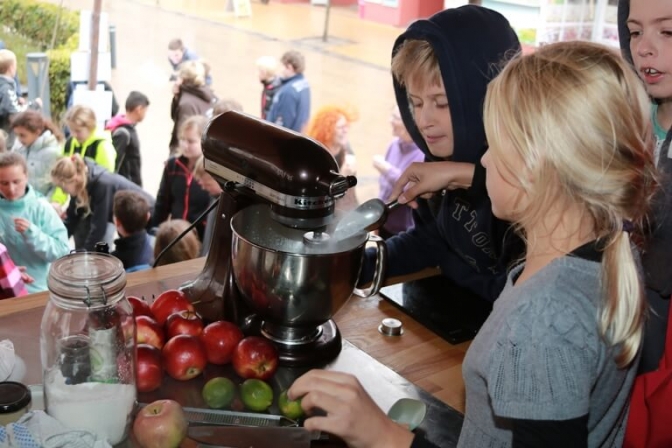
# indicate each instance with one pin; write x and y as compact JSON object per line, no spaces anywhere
{"x":323,"y":349}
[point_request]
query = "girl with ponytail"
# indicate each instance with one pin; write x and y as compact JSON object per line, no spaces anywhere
{"x":91,"y":189}
{"x":570,"y":163}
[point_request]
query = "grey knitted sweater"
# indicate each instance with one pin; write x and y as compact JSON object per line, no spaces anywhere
{"x":539,"y":356}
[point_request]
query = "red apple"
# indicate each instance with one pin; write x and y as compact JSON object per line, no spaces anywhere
{"x":255,"y":357}
{"x":140,"y":307}
{"x":220,"y":339}
{"x":184,"y":322}
{"x":169,"y":302}
{"x":149,"y":370}
{"x":183,"y":357}
{"x":161,"y":424}
{"x":148,"y":331}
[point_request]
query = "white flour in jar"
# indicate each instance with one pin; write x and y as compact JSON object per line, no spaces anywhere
{"x":104,"y":409}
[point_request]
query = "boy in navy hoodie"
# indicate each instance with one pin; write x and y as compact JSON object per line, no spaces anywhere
{"x":441,"y":69}
{"x":643,"y":31}
{"x":131,"y":212}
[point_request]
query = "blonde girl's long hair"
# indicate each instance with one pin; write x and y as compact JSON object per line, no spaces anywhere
{"x":72,"y":169}
{"x":578,"y":118}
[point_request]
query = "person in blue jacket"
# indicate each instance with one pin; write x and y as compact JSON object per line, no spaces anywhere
{"x":441,"y":69}
{"x":30,"y":228}
{"x":291,"y":103}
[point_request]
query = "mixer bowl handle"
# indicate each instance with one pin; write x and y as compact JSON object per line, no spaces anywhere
{"x":380,"y":266}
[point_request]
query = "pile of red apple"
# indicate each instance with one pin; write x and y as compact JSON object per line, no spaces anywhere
{"x":172,"y":337}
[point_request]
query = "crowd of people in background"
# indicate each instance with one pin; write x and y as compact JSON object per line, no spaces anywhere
{"x":534,"y":184}
{"x":90,"y":174}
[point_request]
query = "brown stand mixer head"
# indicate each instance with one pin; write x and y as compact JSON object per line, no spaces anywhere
{"x":291,"y":182}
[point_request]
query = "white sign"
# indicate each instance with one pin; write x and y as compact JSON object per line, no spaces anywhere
{"x":99,"y":100}
{"x":80,"y":64}
{"x":85,"y":32}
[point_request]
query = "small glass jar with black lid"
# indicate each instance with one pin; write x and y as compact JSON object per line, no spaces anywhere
{"x":14,"y":401}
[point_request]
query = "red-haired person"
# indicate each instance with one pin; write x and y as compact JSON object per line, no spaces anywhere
{"x":330,"y":126}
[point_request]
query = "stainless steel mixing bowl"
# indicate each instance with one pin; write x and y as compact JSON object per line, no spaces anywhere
{"x":288,"y":281}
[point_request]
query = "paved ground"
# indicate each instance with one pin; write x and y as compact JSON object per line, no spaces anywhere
{"x":351,"y":68}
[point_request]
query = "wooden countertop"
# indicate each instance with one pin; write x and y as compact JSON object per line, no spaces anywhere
{"x":419,"y":355}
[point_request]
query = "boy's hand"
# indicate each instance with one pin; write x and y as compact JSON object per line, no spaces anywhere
{"x":21,"y":225}
{"x":347,"y":411}
{"x":423,"y":179}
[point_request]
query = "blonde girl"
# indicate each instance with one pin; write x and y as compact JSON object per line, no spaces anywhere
{"x":180,"y":195}
{"x":91,"y":189}
{"x":571,"y":164}
{"x":192,"y":97}
{"x":87,"y":139}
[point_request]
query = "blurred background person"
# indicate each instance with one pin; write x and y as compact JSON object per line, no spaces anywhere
{"x":187,"y":248}
{"x":91,"y":187}
{"x":401,"y":153}
{"x":134,"y":247}
{"x":330,"y":126}
{"x":267,"y":69}
{"x":180,"y":196}
{"x":39,"y":141}
{"x":291,"y":103}
{"x":125,"y":137}
{"x":12,"y":283}
{"x":30,"y":228}
{"x":225,"y":105}
{"x":178,"y":53}
{"x":191,"y":97}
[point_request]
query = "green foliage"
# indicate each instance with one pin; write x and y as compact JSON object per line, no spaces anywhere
{"x":527,"y":35}
{"x":35,"y":21}
{"x":59,"y":75}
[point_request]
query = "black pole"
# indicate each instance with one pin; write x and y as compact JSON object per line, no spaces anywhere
{"x":325,"y":35}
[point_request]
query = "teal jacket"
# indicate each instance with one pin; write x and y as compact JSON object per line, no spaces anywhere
{"x":45,"y":240}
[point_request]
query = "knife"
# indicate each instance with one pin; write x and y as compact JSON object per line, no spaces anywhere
{"x":246,"y":437}
{"x":202,"y":416}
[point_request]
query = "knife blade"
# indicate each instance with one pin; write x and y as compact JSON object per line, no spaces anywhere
{"x":202,"y":416}
{"x":246,"y":437}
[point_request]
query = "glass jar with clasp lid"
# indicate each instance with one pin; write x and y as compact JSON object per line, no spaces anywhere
{"x":87,"y":344}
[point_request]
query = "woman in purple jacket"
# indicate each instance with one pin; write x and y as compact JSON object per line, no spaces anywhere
{"x":401,"y":153}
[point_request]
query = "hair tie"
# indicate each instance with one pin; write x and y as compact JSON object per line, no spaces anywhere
{"x":628,"y":226}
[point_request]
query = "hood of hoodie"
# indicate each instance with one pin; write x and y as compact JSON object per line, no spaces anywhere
{"x":116,"y":121}
{"x":623,"y":32}
{"x":95,"y":171}
{"x":46,"y":140}
{"x":469,"y":43}
{"x":6,"y":81}
{"x":202,"y":92}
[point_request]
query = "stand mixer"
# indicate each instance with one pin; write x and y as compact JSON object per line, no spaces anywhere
{"x":273,"y":267}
